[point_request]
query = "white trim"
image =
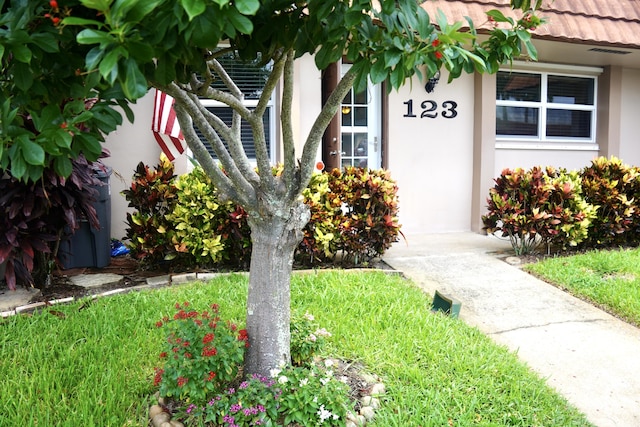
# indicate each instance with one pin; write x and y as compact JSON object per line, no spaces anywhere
{"x":565,"y":69}
{"x":550,"y":146}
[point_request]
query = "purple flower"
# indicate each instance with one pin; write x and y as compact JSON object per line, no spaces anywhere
{"x":229,"y":419}
{"x":244,"y":384}
{"x":235,"y":408}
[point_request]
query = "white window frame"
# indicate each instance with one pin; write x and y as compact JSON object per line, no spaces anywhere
{"x":542,"y":141}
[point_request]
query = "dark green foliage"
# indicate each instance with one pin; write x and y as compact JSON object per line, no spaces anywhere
{"x":36,"y":216}
{"x":538,"y":207}
{"x":614,"y":187}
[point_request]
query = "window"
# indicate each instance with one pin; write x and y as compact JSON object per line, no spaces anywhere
{"x":250,"y":78}
{"x":539,"y":106}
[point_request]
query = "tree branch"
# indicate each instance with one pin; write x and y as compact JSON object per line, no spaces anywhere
{"x":285,"y":120}
{"x":310,"y":149}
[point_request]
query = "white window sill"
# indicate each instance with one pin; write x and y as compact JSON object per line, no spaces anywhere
{"x":547,"y":146}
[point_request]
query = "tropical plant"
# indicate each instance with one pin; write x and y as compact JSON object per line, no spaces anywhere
{"x":538,"y":207}
{"x":152,"y":195}
{"x":368,"y":221}
{"x":614,"y":188}
{"x":36,"y":216}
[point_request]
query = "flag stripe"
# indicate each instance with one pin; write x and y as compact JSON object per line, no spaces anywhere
{"x":165,"y":126}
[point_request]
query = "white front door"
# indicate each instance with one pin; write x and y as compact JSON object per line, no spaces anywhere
{"x":360,"y":134}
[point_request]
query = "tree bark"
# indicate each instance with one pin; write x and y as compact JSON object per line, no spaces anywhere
{"x":275,"y":238}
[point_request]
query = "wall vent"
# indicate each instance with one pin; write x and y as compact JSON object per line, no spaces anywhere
{"x":615,"y":52}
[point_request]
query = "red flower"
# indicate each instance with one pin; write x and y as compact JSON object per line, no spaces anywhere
{"x":188,"y":355}
{"x":215,"y":307}
{"x":435,"y":43}
{"x":159,"y":324}
{"x":198,"y":322}
{"x":211,"y":376}
{"x":53,"y":4}
{"x":438,"y":55}
{"x":242,"y":335}
{"x":209,"y":351}
{"x":208,"y":338}
{"x":163,"y":355}
{"x":182,"y":381}
{"x":157,"y":378}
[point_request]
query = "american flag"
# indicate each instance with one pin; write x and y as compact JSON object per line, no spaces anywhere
{"x":165,"y":126}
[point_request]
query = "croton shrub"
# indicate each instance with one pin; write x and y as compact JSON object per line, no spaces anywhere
{"x":596,"y":206}
{"x":615,"y":188}
{"x":180,"y":222}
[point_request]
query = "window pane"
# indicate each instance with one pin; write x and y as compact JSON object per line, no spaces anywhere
{"x":361,"y":98}
{"x":568,"y":123}
{"x":521,"y":121}
{"x":360,"y":116}
{"x":346,"y":116}
{"x":250,"y":76}
{"x":347,"y":145}
{"x":570,"y":90}
{"x":361,"y":144}
{"x":518,"y":86}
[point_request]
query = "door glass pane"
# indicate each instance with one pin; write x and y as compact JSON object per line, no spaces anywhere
{"x":361,"y":98}
{"x":360,"y":116}
{"x":361,"y":145}
{"x":347,"y":145}
{"x":569,"y":123}
{"x":521,"y":121}
{"x":347,"y":117}
{"x":518,"y":86}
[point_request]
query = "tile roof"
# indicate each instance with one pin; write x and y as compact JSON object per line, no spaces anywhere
{"x":614,"y":23}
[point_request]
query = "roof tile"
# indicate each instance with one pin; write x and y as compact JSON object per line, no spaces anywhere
{"x":607,"y":23}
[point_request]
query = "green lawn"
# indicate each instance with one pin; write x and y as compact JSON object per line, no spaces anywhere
{"x":607,"y":278}
{"x":92,"y":364}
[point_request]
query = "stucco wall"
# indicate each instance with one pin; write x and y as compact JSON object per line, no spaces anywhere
{"x":630,"y":125}
{"x":431,"y":158}
{"x":129,"y":145}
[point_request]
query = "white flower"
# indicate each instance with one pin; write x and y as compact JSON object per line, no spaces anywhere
{"x":274,"y":372}
{"x":312,"y":338}
{"x":282,"y":379}
{"x":309,"y":317}
{"x":324,"y":414}
{"x":323,"y":332}
{"x":304,"y":382}
{"x":324,"y":381}
{"x":328,"y":363}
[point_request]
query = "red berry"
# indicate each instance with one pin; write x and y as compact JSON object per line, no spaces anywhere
{"x":53,"y":4}
{"x":55,"y":20}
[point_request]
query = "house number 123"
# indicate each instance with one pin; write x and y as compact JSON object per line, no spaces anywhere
{"x":429,"y":109}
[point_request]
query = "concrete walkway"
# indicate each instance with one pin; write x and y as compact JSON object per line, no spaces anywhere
{"x":590,"y":357}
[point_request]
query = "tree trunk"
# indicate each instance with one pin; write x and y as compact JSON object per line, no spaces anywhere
{"x":275,"y":238}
